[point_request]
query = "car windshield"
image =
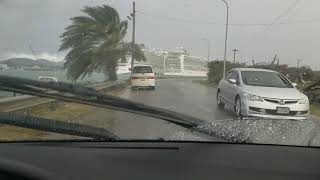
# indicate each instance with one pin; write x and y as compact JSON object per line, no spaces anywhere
{"x":142,"y":69}
{"x":175,"y":70}
{"x":265,"y":79}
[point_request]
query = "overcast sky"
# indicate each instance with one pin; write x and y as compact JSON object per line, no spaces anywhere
{"x":259,"y":28}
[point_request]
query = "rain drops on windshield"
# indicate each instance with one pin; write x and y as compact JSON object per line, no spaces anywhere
{"x":220,"y":71}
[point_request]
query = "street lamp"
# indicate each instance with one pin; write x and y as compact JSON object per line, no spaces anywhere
{"x":133,"y":18}
{"x":209,"y":47}
{"x":226,"y":38}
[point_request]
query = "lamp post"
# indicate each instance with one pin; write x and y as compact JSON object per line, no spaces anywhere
{"x":133,"y":18}
{"x":226,"y":38}
{"x":209,"y":48}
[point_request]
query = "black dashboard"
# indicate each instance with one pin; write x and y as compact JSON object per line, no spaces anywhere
{"x":156,"y":160}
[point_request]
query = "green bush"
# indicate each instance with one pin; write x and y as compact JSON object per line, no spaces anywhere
{"x":216,"y":70}
{"x":304,"y":74}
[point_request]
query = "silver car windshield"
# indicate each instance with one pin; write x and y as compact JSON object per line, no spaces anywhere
{"x":265,"y":79}
{"x":142,"y":69}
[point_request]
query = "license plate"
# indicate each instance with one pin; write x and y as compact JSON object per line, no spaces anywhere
{"x":283,"y":110}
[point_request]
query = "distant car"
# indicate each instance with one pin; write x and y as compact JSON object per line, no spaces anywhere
{"x":47,"y":79}
{"x":262,"y":93}
{"x":143,"y":76}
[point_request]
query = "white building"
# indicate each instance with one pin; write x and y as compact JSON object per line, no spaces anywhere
{"x":3,"y":67}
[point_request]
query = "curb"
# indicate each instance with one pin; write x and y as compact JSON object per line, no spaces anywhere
{"x":315,"y":117}
{"x":36,"y":101}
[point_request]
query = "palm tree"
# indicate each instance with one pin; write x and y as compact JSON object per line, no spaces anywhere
{"x":95,"y":43}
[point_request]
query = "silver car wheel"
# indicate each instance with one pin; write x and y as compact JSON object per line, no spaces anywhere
{"x":237,"y":108}
{"x":219,"y":98}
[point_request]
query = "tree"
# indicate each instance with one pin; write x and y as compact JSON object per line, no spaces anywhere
{"x":95,"y":43}
{"x":142,"y":45}
{"x":216,"y":70}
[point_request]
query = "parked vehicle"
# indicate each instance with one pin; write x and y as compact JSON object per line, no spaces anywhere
{"x":143,"y":76}
{"x":262,"y":93}
{"x":47,"y":79}
{"x":4,"y":67}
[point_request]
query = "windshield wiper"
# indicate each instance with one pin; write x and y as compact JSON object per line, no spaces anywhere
{"x":89,"y":96}
{"x":56,"y":126}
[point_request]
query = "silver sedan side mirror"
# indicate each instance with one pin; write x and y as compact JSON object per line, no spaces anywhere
{"x":294,"y":84}
{"x":232,"y":81}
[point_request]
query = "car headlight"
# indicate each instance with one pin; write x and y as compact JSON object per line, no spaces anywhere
{"x":252,"y":97}
{"x":304,"y":101}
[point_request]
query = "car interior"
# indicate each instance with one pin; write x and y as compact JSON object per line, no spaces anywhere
{"x":155,"y":160}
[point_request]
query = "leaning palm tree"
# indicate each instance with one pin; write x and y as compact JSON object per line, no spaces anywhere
{"x":95,"y":43}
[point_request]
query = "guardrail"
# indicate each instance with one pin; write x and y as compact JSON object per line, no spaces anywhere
{"x":180,"y":77}
{"x":17,"y":103}
{"x":107,"y":85}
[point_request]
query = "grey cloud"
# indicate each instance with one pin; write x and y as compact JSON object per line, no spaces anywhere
{"x":40,"y":22}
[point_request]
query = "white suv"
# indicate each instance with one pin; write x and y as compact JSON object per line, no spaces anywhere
{"x":143,"y":76}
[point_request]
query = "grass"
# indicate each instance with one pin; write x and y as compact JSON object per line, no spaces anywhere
{"x":62,"y":111}
{"x":315,"y":109}
{"x":11,"y":133}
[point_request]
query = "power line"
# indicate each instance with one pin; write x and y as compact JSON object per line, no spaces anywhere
{"x":177,"y":19}
{"x":285,"y":13}
{"x":301,"y":21}
{"x":275,"y":22}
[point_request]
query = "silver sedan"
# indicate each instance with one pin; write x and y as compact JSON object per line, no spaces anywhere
{"x":261,"y":93}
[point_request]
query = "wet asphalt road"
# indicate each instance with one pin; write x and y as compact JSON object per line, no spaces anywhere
{"x":199,"y":101}
{"x":182,"y":96}
{"x":196,"y":100}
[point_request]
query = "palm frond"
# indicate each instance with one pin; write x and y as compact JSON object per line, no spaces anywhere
{"x":96,"y":42}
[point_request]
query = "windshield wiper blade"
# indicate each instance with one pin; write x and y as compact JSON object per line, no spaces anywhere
{"x":89,"y":96}
{"x":56,"y":126}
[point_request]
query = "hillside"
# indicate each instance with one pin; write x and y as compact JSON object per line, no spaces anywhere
{"x":29,"y":63}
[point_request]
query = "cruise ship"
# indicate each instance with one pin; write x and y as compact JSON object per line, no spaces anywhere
{"x":4,"y":67}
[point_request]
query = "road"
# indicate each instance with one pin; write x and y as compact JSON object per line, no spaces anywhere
{"x":199,"y":101}
{"x":196,"y":100}
{"x":178,"y":95}
{"x":181,"y":96}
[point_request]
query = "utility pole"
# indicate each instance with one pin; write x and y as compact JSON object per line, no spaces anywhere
{"x":133,"y":15}
{"x":209,"y":47}
{"x":299,"y":60}
{"x":164,"y":63}
{"x":253,"y":63}
{"x":297,"y":76}
{"x":234,"y":55}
